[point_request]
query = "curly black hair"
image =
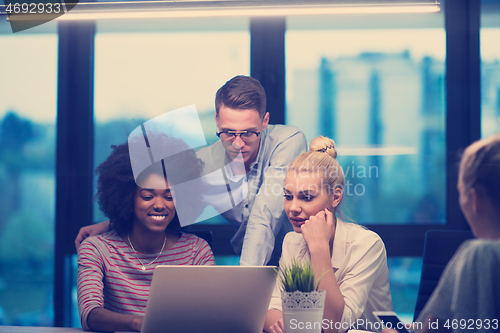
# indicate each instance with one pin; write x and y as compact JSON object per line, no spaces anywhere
{"x":116,"y":186}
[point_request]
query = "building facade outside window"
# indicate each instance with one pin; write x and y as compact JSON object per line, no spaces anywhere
{"x":490,"y":67}
{"x":28,"y":97}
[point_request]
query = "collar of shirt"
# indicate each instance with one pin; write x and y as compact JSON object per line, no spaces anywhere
{"x":339,"y":243}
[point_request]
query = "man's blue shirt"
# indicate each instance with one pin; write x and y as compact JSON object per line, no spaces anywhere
{"x":257,"y":210}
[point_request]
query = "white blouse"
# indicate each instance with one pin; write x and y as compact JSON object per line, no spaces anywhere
{"x":359,"y":260}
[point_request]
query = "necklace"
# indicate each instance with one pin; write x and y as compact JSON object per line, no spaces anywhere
{"x":135,"y":252}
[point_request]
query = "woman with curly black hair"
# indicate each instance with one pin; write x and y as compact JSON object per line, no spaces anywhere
{"x":115,"y":268}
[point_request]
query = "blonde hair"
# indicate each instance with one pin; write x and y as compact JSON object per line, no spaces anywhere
{"x":480,"y":167}
{"x":321,"y":159}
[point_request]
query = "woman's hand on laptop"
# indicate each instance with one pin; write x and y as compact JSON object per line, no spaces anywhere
{"x":104,"y":320}
{"x":274,"y":322}
{"x":278,"y":327}
{"x":138,"y":323}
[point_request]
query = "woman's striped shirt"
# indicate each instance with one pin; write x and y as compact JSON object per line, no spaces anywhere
{"x":110,"y":276}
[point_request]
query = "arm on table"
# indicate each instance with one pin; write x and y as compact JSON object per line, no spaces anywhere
{"x":274,"y":322}
{"x":90,"y":289}
{"x":101,"y":319}
{"x":264,"y":220}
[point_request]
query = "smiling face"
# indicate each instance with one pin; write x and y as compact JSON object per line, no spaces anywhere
{"x":304,"y":197}
{"x":241,"y":120}
{"x":154,"y":209}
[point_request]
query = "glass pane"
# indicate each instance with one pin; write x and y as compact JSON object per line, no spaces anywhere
{"x":28,"y":99}
{"x":490,"y":67}
{"x":375,"y":84}
{"x":404,"y":275}
{"x":145,"y":70}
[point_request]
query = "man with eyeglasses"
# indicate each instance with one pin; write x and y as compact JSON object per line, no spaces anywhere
{"x":266,"y":151}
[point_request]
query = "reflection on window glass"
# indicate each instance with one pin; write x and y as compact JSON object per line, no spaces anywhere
{"x":490,"y":67}
{"x":379,"y":93}
{"x":27,"y":183}
{"x":404,"y":276}
{"x":141,"y":75}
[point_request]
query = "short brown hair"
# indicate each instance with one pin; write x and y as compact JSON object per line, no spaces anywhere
{"x":242,"y":93}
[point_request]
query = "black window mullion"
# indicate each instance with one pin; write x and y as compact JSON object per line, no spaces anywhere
{"x":74,"y":160}
{"x":463,"y":104}
{"x":267,"y":62}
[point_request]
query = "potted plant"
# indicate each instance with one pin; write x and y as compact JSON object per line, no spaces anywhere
{"x":302,"y":302}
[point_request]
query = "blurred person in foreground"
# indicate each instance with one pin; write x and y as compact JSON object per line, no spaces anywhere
{"x":467,"y":297}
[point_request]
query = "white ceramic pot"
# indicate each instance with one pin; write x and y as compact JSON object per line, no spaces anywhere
{"x":303,"y":312}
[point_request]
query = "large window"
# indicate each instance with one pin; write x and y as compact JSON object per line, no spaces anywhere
{"x":490,"y":67}
{"x":27,"y":179}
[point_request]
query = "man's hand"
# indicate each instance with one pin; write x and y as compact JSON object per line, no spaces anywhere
{"x":90,"y":230}
{"x":277,"y":327}
{"x":274,"y":322}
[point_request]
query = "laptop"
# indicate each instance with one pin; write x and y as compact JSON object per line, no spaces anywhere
{"x":209,"y":299}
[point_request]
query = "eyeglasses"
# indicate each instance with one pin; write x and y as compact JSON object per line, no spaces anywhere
{"x":247,"y":136}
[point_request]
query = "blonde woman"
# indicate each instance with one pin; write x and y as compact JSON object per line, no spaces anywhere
{"x":467,"y":296}
{"x":351,"y":259}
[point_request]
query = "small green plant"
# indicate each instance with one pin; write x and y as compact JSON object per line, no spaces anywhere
{"x":298,"y":276}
